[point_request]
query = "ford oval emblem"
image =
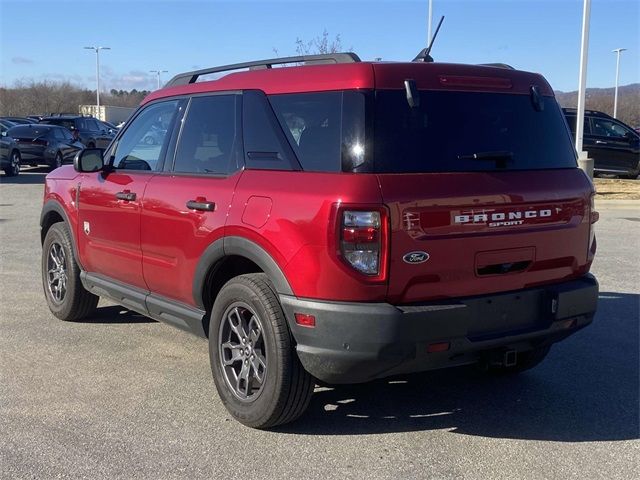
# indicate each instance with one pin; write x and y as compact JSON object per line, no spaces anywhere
{"x":416,"y":257}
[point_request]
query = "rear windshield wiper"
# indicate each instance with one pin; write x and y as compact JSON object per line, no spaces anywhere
{"x":502,"y":155}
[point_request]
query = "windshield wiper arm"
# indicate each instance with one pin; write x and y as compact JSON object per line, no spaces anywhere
{"x":501,"y":155}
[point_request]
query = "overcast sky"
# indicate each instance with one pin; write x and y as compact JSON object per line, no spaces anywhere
{"x":44,"y":39}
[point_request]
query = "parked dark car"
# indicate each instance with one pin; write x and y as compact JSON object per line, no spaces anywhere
{"x":19,"y":120}
{"x":9,"y":153}
{"x":109,"y":127}
{"x":89,"y":130}
{"x":45,"y":144}
{"x":7,"y":124}
{"x":614,"y":146}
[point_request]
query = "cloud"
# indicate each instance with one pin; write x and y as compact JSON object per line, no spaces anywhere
{"x":137,"y":79}
{"x":21,"y":61}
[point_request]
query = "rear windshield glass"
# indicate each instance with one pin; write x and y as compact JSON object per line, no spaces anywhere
{"x":28,"y":132}
{"x":70,"y":124}
{"x":468,"y":131}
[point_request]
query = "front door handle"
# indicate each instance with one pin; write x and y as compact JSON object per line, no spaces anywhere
{"x":201,"y":204}
{"x":126,"y":195}
{"x":600,"y":142}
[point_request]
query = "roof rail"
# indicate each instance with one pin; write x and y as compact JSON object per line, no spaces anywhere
{"x":192,"y":77}
{"x":497,"y":65}
{"x":596,"y":113}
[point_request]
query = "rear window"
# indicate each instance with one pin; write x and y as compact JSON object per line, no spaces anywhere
{"x":66,"y":123}
{"x":468,"y":131}
{"x":28,"y":132}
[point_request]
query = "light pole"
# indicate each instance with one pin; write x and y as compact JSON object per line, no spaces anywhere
{"x":97,"y":50}
{"x":583,"y":161}
{"x":158,"y":72}
{"x":617,"y":51}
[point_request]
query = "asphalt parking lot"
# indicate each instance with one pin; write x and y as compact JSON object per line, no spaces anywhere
{"x":121,"y":396}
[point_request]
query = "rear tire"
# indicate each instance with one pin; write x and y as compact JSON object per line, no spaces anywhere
{"x":13,"y":169}
{"x":525,"y":361}
{"x":57,"y":161}
{"x":65,"y":294}
{"x":632,"y":175}
{"x":248,"y":339}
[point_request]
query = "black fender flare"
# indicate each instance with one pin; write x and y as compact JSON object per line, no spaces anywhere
{"x":242,"y":247}
{"x":54,"y":206}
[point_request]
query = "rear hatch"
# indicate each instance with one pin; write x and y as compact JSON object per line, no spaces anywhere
{"x":481,"y":181}
{"x":31,"y":139}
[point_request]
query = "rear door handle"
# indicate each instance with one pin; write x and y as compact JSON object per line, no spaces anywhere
{"x":201,"y":204}
{"x":126,"y":195}
{"x":600,"y":142}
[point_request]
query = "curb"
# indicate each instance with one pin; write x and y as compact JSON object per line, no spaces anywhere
{"x":617,"y":203}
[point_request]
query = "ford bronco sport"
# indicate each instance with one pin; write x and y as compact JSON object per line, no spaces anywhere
{"x":333,"y":219}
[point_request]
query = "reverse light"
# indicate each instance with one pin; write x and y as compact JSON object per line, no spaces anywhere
{"x":363,"y":240}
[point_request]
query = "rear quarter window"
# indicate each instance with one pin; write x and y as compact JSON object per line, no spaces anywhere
{"x":326,"y":130}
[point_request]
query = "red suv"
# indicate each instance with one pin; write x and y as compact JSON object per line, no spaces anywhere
{"x":334,"y":220}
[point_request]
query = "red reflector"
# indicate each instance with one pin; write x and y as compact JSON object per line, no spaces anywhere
{"x":569,"y":323}
{"x":305,"y":320}
{"x":360,"y":235}
{"x":438,"y":347}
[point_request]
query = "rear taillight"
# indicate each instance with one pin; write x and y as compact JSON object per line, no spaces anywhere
{"x":363,"y":240}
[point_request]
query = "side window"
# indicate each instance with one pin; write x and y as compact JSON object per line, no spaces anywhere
{"x":58,"y":133}
{"x":91,"y":124}
{"x":314,"y":122}
{"x":326,"y":129}
{"x":209,"y":139}
{"x":266,"y":147}
{"x":143,"y":143}
{"x":571,"y":120}
{"x":608,"y":128}
{"x":67,"y":135}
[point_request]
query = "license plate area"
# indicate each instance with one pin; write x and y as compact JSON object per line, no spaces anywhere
{"x":511,"y":313}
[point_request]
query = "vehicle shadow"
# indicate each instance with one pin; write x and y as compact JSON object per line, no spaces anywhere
{"x":115,"y":314}
{"x":28,"y":176}
{"x":586,"y":390}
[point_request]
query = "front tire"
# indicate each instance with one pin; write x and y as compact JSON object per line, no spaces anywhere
{"x":13,"y":169}
{"x":65,"y":294}
{"x":255,"y":368}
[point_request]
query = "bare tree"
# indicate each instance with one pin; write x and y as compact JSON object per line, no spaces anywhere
{"x":36,"y":98}
{"x":321,"y":44}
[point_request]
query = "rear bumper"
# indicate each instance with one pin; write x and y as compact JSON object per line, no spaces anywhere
{"x":358,"y":342}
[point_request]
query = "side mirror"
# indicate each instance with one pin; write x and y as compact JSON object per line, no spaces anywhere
{"x":4,"y":134}
{"x":89,"y":160}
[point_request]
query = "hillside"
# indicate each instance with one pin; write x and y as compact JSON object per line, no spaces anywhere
{"x":602,"y":99}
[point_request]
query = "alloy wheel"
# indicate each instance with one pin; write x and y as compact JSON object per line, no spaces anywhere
{"x":57,"y":272}
{"x":15,"y":163}
{"x":243,"y":355}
